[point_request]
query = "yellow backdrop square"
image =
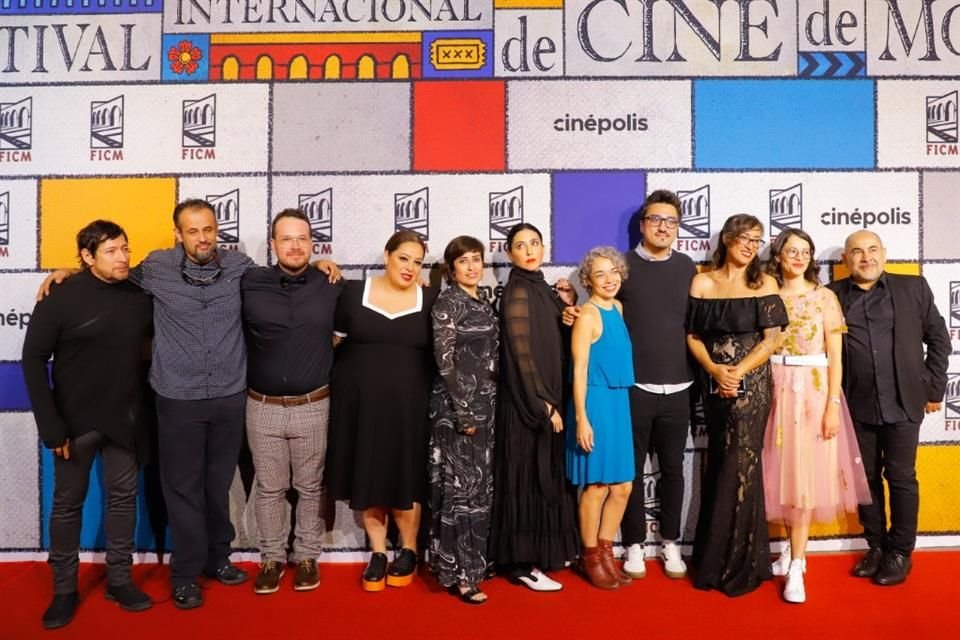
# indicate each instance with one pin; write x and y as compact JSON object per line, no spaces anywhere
{"x":142,"y":206}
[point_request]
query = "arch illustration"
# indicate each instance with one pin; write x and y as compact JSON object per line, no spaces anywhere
{"x":231,"y":68}
{"x":264,"y":68}
{"x":299,"y":68}
{"x":400,"y":69}
{"x":331,"y":68}
{"x":366,"y":67}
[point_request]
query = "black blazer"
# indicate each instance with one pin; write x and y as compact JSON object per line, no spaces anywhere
{"x":917,"y":322}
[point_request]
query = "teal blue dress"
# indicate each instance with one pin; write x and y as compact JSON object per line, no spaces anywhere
{"x":609,"y":378}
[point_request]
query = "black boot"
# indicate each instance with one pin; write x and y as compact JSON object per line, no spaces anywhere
{"x":61,"y":610}
{"x":129,"y":597}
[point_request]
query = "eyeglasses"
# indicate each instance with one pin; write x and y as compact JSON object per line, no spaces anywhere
{"x":657,"y":220}
{"x":793,"y":252}
{"x":756,"y":243}
{"x":200,"y":281}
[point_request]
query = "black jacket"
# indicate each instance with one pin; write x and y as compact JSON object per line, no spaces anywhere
{"x":917,"y":322}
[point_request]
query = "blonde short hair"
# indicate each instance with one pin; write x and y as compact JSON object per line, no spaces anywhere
{"x":611,"y":254}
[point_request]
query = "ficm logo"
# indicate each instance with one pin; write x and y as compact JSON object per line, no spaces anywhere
{"x":411,"y":212}
{"x":506,"y":211}
{"x":952,"y":402}
{"x":318,"y":207}
{"x":4,"y":222}
{"x":199,"y":128}
{"x":16,"y":130}
{"x":954,"y":304}
{"x":694,"y":232}
{"x":227,"y":209}
{"x":942,"y":123}
{"x":106,"y":129}
{"x":786,"y":209}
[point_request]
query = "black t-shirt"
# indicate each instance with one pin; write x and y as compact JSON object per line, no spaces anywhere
{"x":288,"y":323}
{"x":96,"y":333}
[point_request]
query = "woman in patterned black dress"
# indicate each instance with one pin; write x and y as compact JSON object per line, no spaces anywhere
{"x":734,"y":322}
{"x":465,"y":343}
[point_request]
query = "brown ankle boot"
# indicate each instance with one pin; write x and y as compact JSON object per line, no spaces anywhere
{"x":606,"y":548}
{"x":591,"y":563}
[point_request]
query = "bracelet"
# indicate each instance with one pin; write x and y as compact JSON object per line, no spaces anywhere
{"x":835,"y":400}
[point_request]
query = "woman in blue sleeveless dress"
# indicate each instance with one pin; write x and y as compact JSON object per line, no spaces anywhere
{"x":599,"y":436}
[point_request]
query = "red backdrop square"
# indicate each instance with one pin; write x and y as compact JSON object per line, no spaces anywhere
{"x":459,"y":125}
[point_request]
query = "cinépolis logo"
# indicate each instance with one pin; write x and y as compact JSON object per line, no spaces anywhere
{"x":866,"y":218}
{"x":627,"y":123}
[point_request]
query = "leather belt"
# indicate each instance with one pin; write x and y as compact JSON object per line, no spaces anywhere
{"x":291,"y":401}
{"x":811,"y":360}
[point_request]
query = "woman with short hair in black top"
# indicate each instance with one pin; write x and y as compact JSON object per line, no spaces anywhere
{"x":733,"y":325}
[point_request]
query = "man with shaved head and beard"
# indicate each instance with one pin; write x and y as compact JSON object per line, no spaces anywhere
{"x":889,"y":384}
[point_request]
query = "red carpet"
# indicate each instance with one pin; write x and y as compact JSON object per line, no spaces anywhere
{"x":838,"y":606}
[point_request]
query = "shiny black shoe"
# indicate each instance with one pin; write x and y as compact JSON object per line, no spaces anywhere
{"x":187,"y":596}
{"x":375,"y":575}
{"x":869,"y":564}
{"x":893,"y":570}
{"x":403,"y":568}
{"x":229,"y":574}
{"x":61,"y":610}
{"x":129,"y":597}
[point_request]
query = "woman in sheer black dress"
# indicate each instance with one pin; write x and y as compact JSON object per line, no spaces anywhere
{"x":534,"y":513}
{"x":733,"y":325}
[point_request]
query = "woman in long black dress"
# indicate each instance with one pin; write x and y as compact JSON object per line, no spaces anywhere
{"x":462,"y":406}
{"x":734,"y":322}
{"x":534,"y":523}
{"x":379,"y":427}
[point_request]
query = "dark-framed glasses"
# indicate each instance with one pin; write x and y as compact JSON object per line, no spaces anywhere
{"x":756,"y":243}
{"x":200,"y":281}
{"x":657,"y":220}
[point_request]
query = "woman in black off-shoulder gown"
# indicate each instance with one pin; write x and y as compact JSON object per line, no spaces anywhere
{"x":737,"y":333}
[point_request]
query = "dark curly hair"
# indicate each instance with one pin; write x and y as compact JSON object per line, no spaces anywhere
{"x":812,"y":274}
{"x":733,"y":227}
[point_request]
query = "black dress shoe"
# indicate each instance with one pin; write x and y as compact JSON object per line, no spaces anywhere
{"x":187,"y":596}
{"x":869,"y":564}
{"x":893,"y":569}
{"x":402,"y":569}
{"x":229,"y":574}
{"x":61,"y":610}
{"x":129,"y":597}
{"x":374,"y":576}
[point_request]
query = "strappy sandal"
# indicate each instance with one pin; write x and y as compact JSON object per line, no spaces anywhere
{"x":466,"y":596}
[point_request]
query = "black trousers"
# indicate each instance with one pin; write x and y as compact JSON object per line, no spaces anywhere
{"x":890,"y":451}
{"x":70,"y":484}
{"x":660,"y":425}
{"x":199,"y":443}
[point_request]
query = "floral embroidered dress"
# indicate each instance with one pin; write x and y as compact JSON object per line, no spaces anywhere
{"x":801,"y":470}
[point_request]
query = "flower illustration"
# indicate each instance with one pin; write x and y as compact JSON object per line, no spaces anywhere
{"x":184,"y":56}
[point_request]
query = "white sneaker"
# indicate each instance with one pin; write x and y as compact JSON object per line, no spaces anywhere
{"x":794,"y":591}
{"x":781,"y":565}
{"x":634,"y":565}
{"x":673,"y":564}
{"x":537,"y":580}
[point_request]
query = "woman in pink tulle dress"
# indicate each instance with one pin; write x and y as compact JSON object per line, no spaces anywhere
{"x":812,"y":470}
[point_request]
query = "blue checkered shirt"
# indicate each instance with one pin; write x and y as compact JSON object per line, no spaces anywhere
{"x":198,"y":347}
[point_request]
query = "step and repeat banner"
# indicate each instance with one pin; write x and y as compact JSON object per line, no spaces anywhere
{"x":453,"y":117}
